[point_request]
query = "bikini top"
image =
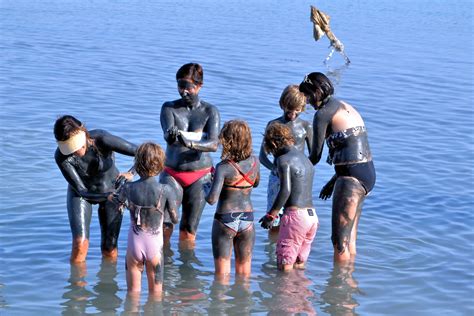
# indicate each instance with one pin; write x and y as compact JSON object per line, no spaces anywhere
{"x":139,"y":217}
{"x":244,"y":176}
{"x":349,"y":146}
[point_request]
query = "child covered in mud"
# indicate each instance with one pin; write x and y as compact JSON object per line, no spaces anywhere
{"x":234,"y":178}
{"x":292,"y":102}
{"x":299,"y":222}
{"x":147,"y":200}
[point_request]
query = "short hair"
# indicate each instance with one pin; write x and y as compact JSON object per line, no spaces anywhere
{"x":67,"y":126}
{"x":316,"y":84}
{"x":191,"y":71}
{"x":236,"y":140}
{"x":292,"y":98}
{"x":277,"y":136}
{"x":149,"y":159}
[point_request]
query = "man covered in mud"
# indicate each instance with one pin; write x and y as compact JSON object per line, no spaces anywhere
{"x":299,"y":222}
{"x":191,"y":129}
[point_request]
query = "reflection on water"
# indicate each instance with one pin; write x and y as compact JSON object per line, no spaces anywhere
{"x":230,"y":299}
{"x":285,"y":292}
{"x":106,"y":299}
{"x":338,"y":295}
{"x":76,"y":294}
{"x":184,"y":284}
{"x":103,"y":297}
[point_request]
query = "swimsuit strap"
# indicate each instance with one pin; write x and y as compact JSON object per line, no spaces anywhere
{"x":245,"y":176}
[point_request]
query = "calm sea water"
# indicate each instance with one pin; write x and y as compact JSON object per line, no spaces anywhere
{"x":112,"y":64}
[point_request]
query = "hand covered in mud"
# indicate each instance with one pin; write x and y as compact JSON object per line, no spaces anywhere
{"x":326,"y":191}
{"x":184,"y":141}
{"x":266,"y":221}
{"x":173,"y":132}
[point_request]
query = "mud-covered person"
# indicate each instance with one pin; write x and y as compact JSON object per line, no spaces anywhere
{"x":342,"y":127}
{"x":292,"y":103}
{"x":87,"y":161}
{"x":299,"y":223}
{"x":191,"y":129}
{"x":148,"y":202}
{"x":234,"y":178}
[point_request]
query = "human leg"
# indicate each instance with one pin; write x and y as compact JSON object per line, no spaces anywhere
{"x":134,"y":269}
{"x":168,"y":226}
{"x":348,"y":197}
{"x":110,"y":219}
{"x":289,"y":241}
{"x":154,"y":271}
{"x":311,"y":219}
{"x":222,"y":237}
{"x":79,"y":212}
{"x":243,"y":248}
{"x":192,"y":207}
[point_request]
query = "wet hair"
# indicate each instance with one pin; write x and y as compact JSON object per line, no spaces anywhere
{"x":149,"y":159}
{"x":67,"y":126}
{"x":236,"y":140}
{"x":292,"y":98}
{"x":317,"y":86}
{"x":277,"y":136}
{"x":191,"y":71}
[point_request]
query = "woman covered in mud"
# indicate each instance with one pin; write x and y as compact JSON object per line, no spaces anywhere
{"x":191,"y":128}
{"x":341,"y":126}
{"x":87,"y":161}
{"x":234,"y":178}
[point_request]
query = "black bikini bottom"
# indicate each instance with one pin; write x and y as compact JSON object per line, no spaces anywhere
{"x":364,"y":172}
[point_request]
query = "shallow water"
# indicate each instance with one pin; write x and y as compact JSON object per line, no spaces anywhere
{"x":112,"y":64}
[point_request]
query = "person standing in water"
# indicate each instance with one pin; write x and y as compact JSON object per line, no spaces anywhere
{"x":299,"y":222}
{"x":191,"y":129}
{"x":292,"y":102}
{"x":87,"y":161}
{"x":234,"y":178}
{"x":344,"y":130}
{"x":148,"y":201}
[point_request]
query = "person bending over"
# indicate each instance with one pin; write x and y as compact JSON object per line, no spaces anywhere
{"x":234,"y":178}
{"x":345,"y":133}
{"x":299,"y":222}
{"x":191,"y":128}
{"x":86,"y":160}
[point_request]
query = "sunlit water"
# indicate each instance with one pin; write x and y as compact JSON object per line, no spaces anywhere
{"x":112,"y":64}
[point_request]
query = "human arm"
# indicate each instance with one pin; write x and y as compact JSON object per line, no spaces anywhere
{"x":71,"y":175}
{"x":170,"y":130}
{"x":257,"y":178}
{"x":263,"y":158}
{"x":105,"y":140}
{"x":171,"y":204}
{"x":210,"y":142}
{"x":216,"y":187}
{"x":327,"y":189}
{"x":320,"y":125}
{"x":281,"y":198}
{"x":309,"y":136}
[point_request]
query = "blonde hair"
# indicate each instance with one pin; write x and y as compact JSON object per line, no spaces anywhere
{"x":277,"y":136}
{"x":236,"y":140}
{"x":149,"y":159}
{"x":292,"y":98}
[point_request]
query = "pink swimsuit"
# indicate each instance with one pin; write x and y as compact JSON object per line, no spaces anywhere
{"x":145,"y":236}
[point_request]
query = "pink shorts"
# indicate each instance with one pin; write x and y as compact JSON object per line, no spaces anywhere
{"x":297,"y":230}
